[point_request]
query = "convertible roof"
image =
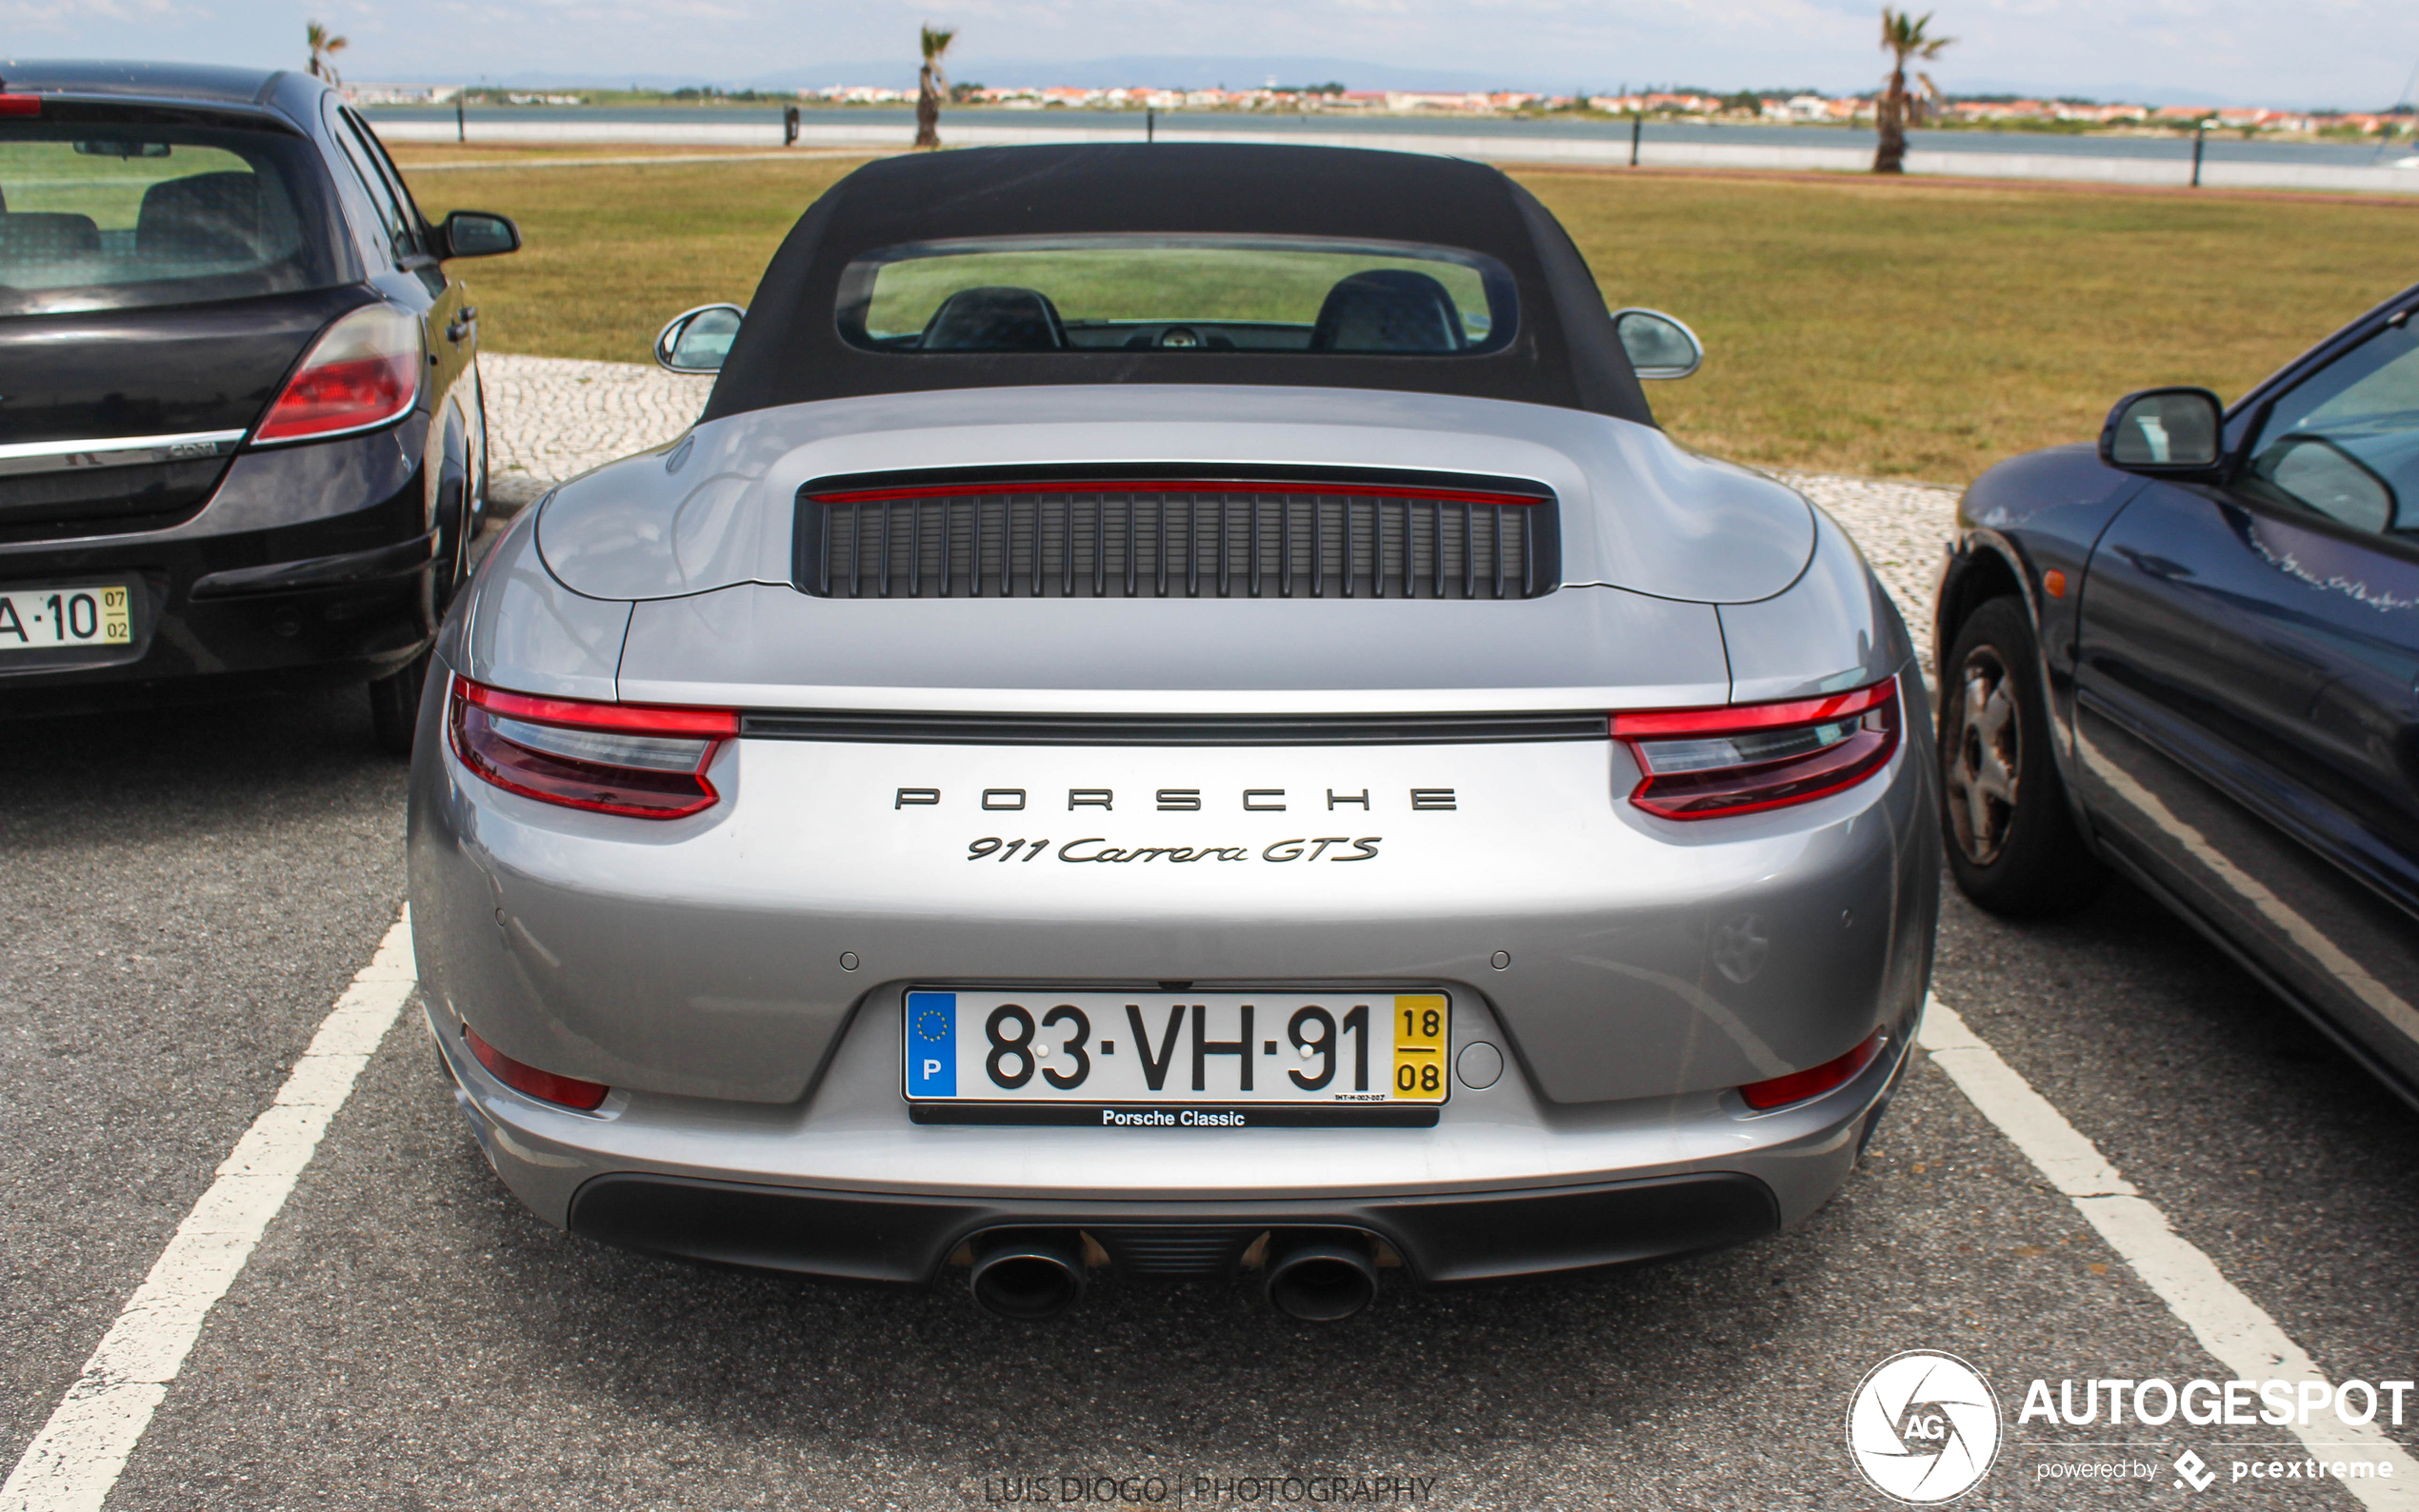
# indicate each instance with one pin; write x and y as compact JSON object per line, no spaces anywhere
{"x":790,"y":350}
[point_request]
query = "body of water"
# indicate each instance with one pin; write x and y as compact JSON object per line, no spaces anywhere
{"x":887,"y":122}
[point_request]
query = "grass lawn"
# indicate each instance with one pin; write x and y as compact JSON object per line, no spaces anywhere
{"x":1891,"y":329}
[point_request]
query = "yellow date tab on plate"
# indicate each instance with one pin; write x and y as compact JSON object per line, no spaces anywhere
{"x":46,"y":618}
{"x":1423,"y":1027}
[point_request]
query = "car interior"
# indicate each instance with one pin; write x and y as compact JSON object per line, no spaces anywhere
{"x":118,"y":212}
{"x":2346,"y":442}
{"x":207,"y":218}
{"x":1387,"y":311}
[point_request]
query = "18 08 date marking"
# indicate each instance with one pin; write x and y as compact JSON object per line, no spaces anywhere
{"x":1097,"y":848}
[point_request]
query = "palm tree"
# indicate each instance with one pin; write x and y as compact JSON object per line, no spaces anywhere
{"x":1903,"y":37}
{"x":324,"y":49}
{"x":930,"y":85}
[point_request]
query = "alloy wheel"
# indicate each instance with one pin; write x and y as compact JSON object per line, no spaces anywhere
{"x":1985,"y":758}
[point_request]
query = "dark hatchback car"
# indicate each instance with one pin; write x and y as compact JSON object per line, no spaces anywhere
{"x":241,"y":430}
{"x":2193,"y":654}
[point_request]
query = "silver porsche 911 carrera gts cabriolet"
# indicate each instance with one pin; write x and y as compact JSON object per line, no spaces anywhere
{"x":1174,"y":716}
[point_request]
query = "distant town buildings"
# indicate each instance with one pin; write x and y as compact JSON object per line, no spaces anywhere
{"x":1804,"y":108}
{"x":402,"y":93}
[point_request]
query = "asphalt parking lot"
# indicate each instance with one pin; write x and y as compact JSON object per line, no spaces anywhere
{"x":188,"y":892}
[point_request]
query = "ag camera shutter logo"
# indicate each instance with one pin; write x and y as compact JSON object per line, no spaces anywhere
{"x":1923,"y":1428}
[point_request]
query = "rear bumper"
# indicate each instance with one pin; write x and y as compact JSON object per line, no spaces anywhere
{"x":1473,"y":1236}
{"x":1568,"y":1199}
{"x":311,"y":559}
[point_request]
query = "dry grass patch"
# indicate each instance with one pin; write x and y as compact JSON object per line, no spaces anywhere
{"x":1890,"y":329}
{"x":613,"y":252}
{"x":1927,"y":330}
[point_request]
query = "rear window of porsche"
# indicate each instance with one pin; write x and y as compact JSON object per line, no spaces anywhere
{"x":130,"y":211}
{"x":1107,"y":293}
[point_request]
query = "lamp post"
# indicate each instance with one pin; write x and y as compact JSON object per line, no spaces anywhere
{"x":2200,"y":141}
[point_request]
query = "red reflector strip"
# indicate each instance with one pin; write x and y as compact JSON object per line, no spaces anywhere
{"x":1331,"y":490}
{"x":20,"y":105}
{"x":1732,"y":718}
{"x":545,"y":1085}
{"x":1799,"y":1085}
{"x":630,"y":719}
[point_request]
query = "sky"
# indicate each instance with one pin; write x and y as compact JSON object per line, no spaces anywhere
{"x":2352,"y":53}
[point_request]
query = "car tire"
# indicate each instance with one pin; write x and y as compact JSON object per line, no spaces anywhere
{"x":395,"y":706}
{"x":2011,"y":835}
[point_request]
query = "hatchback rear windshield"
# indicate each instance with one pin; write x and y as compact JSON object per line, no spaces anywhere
{"x":1177,"y":293}
{"x":111,"y":215}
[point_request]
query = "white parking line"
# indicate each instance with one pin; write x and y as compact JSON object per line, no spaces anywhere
{"x":78,"y":1456}
{"x":2244,"y":1339}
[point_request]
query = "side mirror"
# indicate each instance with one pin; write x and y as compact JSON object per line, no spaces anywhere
{"x":1659,"y":347}
{"x":698,"y":339}
{"x":2163,"y":431}
{"x":476,"y":234}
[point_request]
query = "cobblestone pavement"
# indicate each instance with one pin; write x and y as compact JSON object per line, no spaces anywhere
{"x":550,"y":418}
{"x":1901,"y":526}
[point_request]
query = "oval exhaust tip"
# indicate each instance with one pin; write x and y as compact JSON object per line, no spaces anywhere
{"x":1322,"y":1283}
{"x":1028,"y":1277}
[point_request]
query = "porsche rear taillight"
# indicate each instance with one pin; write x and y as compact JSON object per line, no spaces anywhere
{"x":20,"y":105}
{"x":641,"y":760}
{"x":1746,"y":758}
{"x":361,"y":372}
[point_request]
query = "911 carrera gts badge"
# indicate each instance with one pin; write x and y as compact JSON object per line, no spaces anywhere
{"x":1097,"y":848}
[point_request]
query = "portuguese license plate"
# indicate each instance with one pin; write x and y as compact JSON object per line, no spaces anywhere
{"x":1177,"y":1059}
{"x":44,"y":619}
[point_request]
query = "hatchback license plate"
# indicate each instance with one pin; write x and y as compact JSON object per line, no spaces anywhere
{"x":44,"y":619}
{"x":1132,"y":1054}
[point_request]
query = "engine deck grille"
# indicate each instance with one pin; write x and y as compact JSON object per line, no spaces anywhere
{"x":1179,"y":538}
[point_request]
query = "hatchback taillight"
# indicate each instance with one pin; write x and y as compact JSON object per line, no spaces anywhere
{"x":363,"y":371}
{"x":640,"y":761}
{"x":1745,"y":758}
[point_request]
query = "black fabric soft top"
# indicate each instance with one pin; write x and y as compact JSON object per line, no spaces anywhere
{"x":790,"y":350}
